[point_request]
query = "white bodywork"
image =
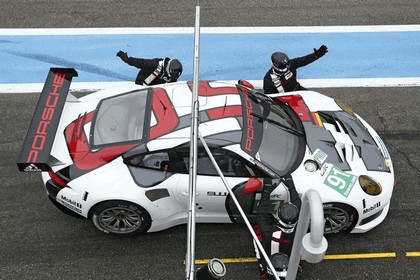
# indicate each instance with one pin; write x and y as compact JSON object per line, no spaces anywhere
{"x":113,"y":181}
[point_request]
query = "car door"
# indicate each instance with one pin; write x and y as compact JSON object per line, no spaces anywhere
{"x":211,"y":193}
{"x":157,"y":173}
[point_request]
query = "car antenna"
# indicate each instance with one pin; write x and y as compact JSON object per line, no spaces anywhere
{"x":224,"y":107}
{"x":163,"y":105}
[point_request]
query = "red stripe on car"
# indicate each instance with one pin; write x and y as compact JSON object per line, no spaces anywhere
{"x":225,"y":112}
{"x":166,"y":117}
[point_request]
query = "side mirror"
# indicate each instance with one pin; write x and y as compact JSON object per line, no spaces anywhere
{"x":252,"y":185}
{"x":246,"y":84}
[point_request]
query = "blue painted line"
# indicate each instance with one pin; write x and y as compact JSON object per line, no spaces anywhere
{"x":27,"y":58}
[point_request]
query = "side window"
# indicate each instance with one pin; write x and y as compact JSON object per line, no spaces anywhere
{"x":234,"y":166}
{"x":150,"y":169}
{"x":152,"y":161}
{"x":163,"y":161}
{"x":229,"y":164}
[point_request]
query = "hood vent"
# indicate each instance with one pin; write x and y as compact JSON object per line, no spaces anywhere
{"x":363,"y":143}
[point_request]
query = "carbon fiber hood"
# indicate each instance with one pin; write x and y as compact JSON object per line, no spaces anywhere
{"x":333,"y":139}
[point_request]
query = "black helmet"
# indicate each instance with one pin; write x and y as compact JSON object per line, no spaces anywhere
{"x":280,"y":263}
{"x":288,"y":215}
{"x":280,"y":62}
{"x":174,"y":68}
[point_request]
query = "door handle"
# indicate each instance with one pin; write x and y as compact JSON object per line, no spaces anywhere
{"x":187,"y":194}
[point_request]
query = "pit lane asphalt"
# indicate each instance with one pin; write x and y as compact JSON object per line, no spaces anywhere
{"x":39,"y":242}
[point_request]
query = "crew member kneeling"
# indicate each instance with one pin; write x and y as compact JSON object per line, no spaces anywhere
{"x":276,"y":232}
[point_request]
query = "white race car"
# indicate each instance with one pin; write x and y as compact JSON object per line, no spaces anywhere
{"x":120,"y":157}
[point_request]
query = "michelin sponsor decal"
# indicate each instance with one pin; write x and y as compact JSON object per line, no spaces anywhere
{"x":385,"y":152}
{"x":71,"y":204}
{"x":383,"y":147}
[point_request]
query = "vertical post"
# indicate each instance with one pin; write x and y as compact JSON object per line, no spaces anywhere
{"x":232,"y":195}
{"x":190,"y":257}
{"x":312,"y":245}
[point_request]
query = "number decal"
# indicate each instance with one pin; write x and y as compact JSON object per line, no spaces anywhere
{"x":340,"y":181}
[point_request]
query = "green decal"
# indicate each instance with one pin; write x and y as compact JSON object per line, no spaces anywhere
{"x":273,"y":205}
{"x":340,"y":181}
{"x":319,"y":156}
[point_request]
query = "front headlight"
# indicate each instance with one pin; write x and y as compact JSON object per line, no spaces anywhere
{"x":369,"y":185}
{"x":344,"y":107}
{"x":311,"y":165}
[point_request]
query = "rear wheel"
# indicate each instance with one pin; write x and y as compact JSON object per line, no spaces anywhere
{"x":121,"y":218}
{"x":339,"y":217}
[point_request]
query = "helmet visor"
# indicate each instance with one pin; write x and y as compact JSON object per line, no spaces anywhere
{"x":281,"y":68}
{"x":174,"y":68}
{"x":174,"y":73}
{"x":286,"y":228}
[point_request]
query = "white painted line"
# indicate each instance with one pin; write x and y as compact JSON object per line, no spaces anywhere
{"x":75,"y":87}
{"x":361,"y":82}
{"x":207,"y":30}
{"x":308,"y":83}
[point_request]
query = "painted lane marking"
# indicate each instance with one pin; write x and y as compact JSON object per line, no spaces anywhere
{"x":327,"y":257}
{"x":309,"y":83}
{"x":412,"y":254}
{"x":208,"y":30}
{"x":360,"y":256}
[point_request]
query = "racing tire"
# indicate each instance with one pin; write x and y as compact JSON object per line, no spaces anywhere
{"x":121,"y":218}
{"x":339,"y":217}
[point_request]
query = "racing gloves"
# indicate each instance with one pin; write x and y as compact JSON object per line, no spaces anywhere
{"x":122,"y":55}
{"x":321,"y":51}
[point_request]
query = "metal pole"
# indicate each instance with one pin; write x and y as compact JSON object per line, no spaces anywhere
{"x":190,"y":256}
{"x":314,"y":247}
{"x":248,"y":224}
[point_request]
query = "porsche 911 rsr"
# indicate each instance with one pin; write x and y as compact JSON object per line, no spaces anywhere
{"x":120,"y":157}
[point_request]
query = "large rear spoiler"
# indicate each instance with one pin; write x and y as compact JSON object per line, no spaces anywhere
{"x":41,"y":133}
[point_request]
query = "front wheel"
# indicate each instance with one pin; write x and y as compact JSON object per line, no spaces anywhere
{"x":339,"y":217}
{"x":121,"y":218}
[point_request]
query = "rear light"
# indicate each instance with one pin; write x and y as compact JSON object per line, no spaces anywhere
{"x":56,"y":179}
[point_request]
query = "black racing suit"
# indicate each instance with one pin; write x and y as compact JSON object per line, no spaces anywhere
{"x":148,"y":67}
{"x":267,"y":230}
{"x":287,"y":81}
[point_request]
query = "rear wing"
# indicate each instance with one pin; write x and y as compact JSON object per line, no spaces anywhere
{"x":41,"y":133}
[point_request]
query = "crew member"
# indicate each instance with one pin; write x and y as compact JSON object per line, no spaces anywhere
{"x":276,"y":231}
{"x":154,"y":71}
{"x":282,"y":75}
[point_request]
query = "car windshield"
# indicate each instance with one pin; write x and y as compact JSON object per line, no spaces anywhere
{"x":274,"y":137}
{"x":120,"y":119}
